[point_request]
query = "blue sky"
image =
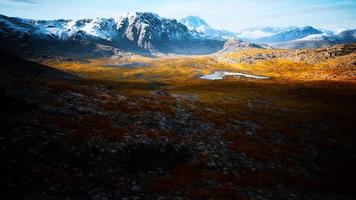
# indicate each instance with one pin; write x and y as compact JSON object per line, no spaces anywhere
{"x":232,"y":15}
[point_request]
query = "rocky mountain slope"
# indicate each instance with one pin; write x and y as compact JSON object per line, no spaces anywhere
{"x":234,"y":44}
{"x":138,"y":32}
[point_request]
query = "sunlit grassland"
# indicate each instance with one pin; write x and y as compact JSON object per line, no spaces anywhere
{"x":289,"y":84}
{"x":170,"y":69}
{"x":180,"y":75}
{"x":182,"y":69}
{"x":294,"y":86}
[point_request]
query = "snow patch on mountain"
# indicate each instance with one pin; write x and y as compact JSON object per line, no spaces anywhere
{"x":195,"y":23}
{"x":313,"y":37}
{"x":198,"y":25}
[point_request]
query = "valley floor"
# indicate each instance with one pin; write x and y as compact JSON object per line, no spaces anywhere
{"x":159,"y":132}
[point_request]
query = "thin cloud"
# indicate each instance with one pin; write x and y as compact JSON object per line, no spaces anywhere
{"x":20,"y":1}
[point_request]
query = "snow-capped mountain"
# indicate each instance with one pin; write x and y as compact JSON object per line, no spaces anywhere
{"x":328,"y":32}
{"x":295,"y":37}
{"x":138,"y":27}
{"x":60,"y":29}
{"x":195,"y":23}
{"x":270,"y":35}
{"x":348,"y":36}
{"x":289,"y":35}
{"x":144,"y":32}
{"x":198,"y":25}
{"x":257,"y":32}
{"x":319,"y":40}
{"x":148,"y":29}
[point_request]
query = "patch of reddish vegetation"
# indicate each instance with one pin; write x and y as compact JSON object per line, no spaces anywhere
{"x":155,"y":134}
{"x":110,"y":106}
{"x":180,"y":178}
{"x":163,"y":108}
{"x":75,"y":132}
{"x":79,"y":130}
{"x":248,"y":145}
{"x":261,"y":151}
{"x":211,"y":117}
{"x":123,"y":107}
{"x":104,"y":127}
{"x":63,"y":87}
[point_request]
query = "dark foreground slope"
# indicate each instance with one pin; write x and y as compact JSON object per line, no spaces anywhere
{"x":12,"y":65}
{"x":79,"y":139}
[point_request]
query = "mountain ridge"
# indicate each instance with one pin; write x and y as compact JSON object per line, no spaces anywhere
{"x":140,"y":32}
{"x":149,"y":34}
{"x":320,"y":40}
{"x":295,"y":37}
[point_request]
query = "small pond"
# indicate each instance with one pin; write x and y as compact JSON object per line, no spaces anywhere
{"x":219,"y":75}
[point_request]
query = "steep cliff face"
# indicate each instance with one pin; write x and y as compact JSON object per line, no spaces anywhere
{"x":148,"y":30}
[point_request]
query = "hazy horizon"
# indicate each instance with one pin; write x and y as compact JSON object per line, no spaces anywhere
{"x":224,"y":14}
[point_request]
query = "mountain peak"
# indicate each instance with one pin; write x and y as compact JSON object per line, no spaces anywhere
{"x":198,"y":25}
{"x":277,"y":34}
{"x":304,"y":28}
{"x":147,"y":14}
{"x":193,"y":22}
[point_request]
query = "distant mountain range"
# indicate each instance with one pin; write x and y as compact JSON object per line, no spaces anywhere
{"x":296,"y":37}
{"x":148,"y":33}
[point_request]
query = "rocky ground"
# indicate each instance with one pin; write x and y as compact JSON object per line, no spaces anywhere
{"x":329,"y":63}
{"x":298,"y":55}
{"x":65,"y":138}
